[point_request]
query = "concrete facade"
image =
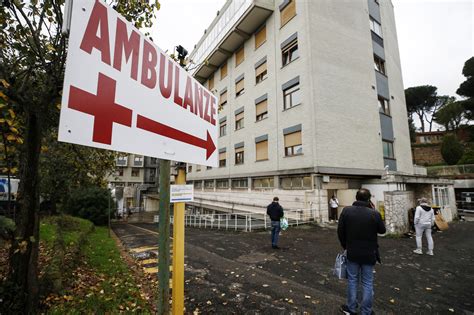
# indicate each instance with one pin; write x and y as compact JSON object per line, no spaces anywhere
{"x":343,"y":131}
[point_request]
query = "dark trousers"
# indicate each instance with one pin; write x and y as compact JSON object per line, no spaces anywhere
{"x":333,"y":214}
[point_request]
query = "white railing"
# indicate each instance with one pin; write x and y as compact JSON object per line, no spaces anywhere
{"x":247,"y":221}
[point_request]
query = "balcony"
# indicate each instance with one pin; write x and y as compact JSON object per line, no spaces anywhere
{"x":235,"y":23}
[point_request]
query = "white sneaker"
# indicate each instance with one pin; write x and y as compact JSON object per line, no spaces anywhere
{"x":418,"y":251}
{"x":430,"y":252}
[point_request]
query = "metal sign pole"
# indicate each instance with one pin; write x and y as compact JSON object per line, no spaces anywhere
{"x":164,"y":240}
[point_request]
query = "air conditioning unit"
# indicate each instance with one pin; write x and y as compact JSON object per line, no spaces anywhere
{"x":326,"y":179}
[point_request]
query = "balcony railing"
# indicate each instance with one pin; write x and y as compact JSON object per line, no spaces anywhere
{"x":227,"y":18}
{"x":451,"y":170}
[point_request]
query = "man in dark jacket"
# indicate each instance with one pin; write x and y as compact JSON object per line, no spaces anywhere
{"x":275,"y":211}
{"x":357,"y":232}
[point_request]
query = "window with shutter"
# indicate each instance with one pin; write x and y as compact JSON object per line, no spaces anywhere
{"x":239,"y":88}
{"x":293,"y":144}
{"x":260,"y":37}
{"x":224,"y":71}
{"x":261,"y":73}
{"x":287,"y":13}
{"x":261,"y":110}
{"x":239,"y":56}
{"x":261,"y":149}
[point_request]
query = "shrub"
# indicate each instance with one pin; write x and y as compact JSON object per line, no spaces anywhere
{"x":451,"y":149}
{"x":468,"y":156}
{"x":90,"y":203}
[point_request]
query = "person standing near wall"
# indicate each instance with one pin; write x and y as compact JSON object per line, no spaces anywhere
{"x":275,"y":211}
{"x":424,"y":220}
{"x":358,"y":227}
{"x":333,"y":205}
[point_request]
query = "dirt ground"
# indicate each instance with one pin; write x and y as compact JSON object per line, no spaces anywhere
{"x":239,"y":273}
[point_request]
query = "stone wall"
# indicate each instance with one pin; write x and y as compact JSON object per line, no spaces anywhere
{"x":397,"y":204}
{"x":427,"y":154}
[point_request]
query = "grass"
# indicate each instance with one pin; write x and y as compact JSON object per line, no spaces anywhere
{"x":104,"y":283}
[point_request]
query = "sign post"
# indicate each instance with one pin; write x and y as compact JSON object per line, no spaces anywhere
{"x":178,"y":249}
{"x":163,"y":240}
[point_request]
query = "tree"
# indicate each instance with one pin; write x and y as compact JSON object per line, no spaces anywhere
{"x":421,"y":100}
{"x":452,"y":115}
{"x":66,"y":167}
{"x":32,"y":59}
{"x":466,"y":88}
{"x":451,"y":149}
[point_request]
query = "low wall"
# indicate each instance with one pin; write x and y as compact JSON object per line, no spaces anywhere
{"x":397,"y":204}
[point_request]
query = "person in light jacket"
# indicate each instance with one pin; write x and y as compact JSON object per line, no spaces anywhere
{"x":424,"y":220}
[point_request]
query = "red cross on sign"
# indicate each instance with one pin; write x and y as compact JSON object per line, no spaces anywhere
{"x":102,"y":106}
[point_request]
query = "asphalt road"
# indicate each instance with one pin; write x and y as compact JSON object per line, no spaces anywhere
{"x":239,"y":273}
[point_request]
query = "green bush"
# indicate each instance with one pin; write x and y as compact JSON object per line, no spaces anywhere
{"x":451,"y":149}
{"x":468,"y":156}
{"x":90,"y":203}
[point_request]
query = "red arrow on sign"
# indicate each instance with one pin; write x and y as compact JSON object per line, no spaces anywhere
{"x":169,"y":132}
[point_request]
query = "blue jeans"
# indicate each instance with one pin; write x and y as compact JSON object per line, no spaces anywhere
{"x":356,"y":271}
{"x":275,"y":232}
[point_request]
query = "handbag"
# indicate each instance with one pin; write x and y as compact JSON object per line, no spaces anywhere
{"x":283,"y":223}
{"x":340,"y":267}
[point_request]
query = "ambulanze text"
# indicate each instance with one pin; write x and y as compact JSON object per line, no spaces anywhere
{"x":196,"y":99}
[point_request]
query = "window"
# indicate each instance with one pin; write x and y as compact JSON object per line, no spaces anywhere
{"x":292,"y":96}
{"x":265,"y":182}
{"x":210,"y":84}
{"x":239,"y":121}
{"x":119,"y":171}
{"x":153,"y":161}
{"x":261,"y":73}
{"x":239,"y":156}
{"x":384,"y":106}
{"x":222,"y":184}
{"x":261,"y":151}
{"x":388,"y":149}
{"x":222,"y":159}
{"x":379,"y":64}
{"x":223,"y":129}
{"x":224,"y":71}
{"x":375,"y":27}
{"x":190,"y":169}
{"x":152,"y":174}
{"x":240,"y":183}
{"x":122,"y":160}
{"x":441,"y":195}
{"x":296,"y":182}
{"x":239,"y":88}
{"x":293,"y":144}
{"x":135,"y":172}
{"x":261,"y":110}
{"x":287,"y":12}
{"x":198,"y":185}
{"x":239,"y":56}
{"x":260,"y":37}
{"x":208,"y":184}
{"x":289,"y":52}
{"x":208,"y":167}
{"x":223,"y":99}
{"x":138,"y":160}
{"x":198,"y":168}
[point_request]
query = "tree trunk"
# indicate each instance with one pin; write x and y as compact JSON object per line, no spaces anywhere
{"x":23,"y":273}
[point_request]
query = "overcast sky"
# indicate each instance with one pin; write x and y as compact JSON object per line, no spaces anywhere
{"x":435,"y":36}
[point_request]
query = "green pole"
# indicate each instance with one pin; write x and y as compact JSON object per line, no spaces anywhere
{"x":164,"y":240}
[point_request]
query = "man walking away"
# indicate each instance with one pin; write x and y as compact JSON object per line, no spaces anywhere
{"x":275,"y":211}
{"x":357,"y":232}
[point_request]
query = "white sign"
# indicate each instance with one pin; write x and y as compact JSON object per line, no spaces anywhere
{"x":181,"y":193}
{"x":123,"y":93}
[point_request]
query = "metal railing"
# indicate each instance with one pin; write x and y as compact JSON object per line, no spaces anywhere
{"x":451,"y":170}
{"x":247,"y":221}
